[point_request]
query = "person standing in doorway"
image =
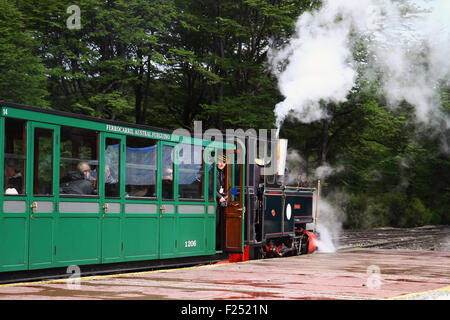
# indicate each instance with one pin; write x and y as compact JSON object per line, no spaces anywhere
{"x":222,"y":197}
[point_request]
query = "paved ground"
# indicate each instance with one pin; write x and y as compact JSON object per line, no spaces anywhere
{"x":347,"y":274}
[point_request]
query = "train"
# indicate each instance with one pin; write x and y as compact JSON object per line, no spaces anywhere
{"x":110,"y":196}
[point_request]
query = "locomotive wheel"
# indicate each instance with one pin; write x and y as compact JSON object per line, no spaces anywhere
{"x":304,"y":244}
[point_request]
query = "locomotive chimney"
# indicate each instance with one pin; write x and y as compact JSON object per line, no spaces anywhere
{"x":281,"y":156}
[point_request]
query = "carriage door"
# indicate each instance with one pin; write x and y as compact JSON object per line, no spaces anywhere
{"x":110,"y":189}
{"x":14,"y":216}
{"x":43,"y":173}
{"x":166,"y":196}
{"x":234,"y":212}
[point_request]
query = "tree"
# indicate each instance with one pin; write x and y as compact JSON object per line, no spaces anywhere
{"x":218,"y":51}
{"x":22,"y":74}
{"x":106,"y":67}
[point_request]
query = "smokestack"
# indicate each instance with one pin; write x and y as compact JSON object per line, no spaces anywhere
{"x":281,"y":156}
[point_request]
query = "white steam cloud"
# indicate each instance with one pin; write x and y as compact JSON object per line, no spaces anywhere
{"x":329,"y":222}
{"x":326,"y":170}
{"x":296,"y":168}
{"x":408,"y":50}
{"x":330,"y":217}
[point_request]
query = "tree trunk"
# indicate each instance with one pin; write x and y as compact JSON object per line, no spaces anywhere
{"x":146,"y":94}
{"x":138,"y":93}
{"x":324,"y":141}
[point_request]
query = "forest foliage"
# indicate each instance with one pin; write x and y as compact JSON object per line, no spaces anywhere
{"x":167,"y":63}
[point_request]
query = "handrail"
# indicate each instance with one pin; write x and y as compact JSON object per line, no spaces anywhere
{"x":300,"y":188}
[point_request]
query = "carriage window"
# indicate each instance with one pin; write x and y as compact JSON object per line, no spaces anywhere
{"x":79,"y":161}
{"x":112,"y":168}
{"x":191,"y":172}
{"x":15,"y":156}
{"x":141,"y":162}
{"x":167,"y":172}
{"x":43,"y":162}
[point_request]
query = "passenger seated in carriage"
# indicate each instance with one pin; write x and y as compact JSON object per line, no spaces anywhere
{"x":111,"y":184}
{"x":14,"y":177}
{"x":78,"y":181}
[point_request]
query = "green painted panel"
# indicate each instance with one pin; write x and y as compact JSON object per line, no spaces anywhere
{"x":210,"y":231}
{"x":41,"y":243}
{"x":77,"y":240}
{"x":140,"y":237}
{"x":191,"y":235}
{"x":168,"y":241}
{"x":111,"y":239}
{"x":13,"y":243}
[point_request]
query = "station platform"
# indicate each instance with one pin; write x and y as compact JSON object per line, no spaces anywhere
{"x":351,"y":274}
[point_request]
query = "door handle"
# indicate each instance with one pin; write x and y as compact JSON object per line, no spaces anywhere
{"x":163,"y":210}
{"x":105,"y":208}
{"x":242,"y":210}
{"x":34,"y":207}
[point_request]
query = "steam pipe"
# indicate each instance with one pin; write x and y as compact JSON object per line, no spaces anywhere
{"x":317,"y":205}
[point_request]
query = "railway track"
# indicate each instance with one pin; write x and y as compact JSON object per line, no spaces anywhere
{"x":429,"y":238}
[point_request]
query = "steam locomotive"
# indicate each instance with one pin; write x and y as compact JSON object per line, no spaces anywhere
{"x":277,"y":214}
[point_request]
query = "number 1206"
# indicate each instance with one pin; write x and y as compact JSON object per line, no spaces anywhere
{"x":190,"y":243}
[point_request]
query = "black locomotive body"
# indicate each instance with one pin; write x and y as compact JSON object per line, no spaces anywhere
{"x":277,"y":216}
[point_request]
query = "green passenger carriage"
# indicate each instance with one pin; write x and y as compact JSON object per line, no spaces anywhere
{"x":157,"y":208}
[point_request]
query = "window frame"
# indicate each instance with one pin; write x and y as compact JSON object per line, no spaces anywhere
{"x":25,"y":151}
{"x":98,"y":155}
{"x":203,"y":170}
{"x":102,"y":165}
{"x":124,"y":161}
